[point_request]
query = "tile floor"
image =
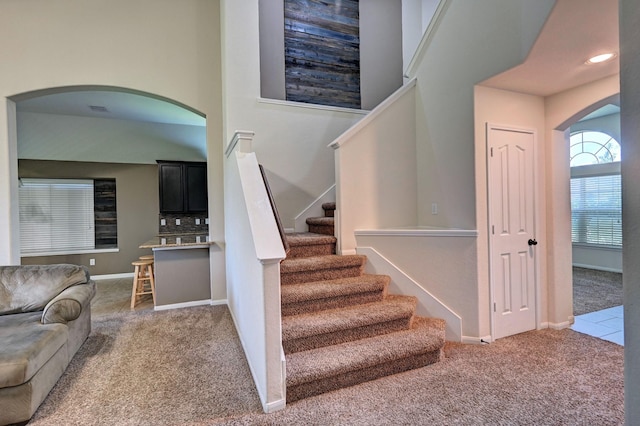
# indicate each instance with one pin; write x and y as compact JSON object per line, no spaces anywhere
{"x":114,"y":296}
{"x":607,"y":324}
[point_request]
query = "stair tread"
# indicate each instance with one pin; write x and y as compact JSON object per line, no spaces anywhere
{"x":325,"y":220}
{"x":333,"y":288}
{"x":309,"y":238}
{"x":351,"y":317}
{"x":321,"y":262}
{"x":329,"y":206}
{"x":426,"y":335}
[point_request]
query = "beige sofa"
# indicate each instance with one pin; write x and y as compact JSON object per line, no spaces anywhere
{"x":45,"y":316}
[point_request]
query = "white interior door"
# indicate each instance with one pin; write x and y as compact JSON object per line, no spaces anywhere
{"x":512,"y":231}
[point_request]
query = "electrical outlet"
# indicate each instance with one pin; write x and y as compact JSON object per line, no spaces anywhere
{"x":177,"y":222}
{"x":163,"y":222}
{"x":92,"y":262}
{"x":206,"y":221}
{"x":197,"y":221}
{"x":434,"y":208}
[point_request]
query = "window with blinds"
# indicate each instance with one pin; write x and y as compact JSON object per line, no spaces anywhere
{"x":596,"y":192}
{"x":56,"y":215}
{"x":596,"y":210}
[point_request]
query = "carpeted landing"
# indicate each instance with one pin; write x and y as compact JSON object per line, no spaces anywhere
{"x":339,"y":325}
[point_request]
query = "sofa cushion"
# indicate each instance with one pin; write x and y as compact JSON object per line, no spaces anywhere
{"x":30,"y":288}
{"x":26,"y":346}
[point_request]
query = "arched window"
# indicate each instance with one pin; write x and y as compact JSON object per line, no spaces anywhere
{"x":596,"y":198}
{"x":593,"y":148}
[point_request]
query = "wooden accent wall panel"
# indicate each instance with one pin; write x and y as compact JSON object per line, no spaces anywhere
{"x":105,"y":213}
{"x":322,"y":52}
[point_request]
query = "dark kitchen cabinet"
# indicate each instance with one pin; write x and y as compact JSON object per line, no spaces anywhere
{"x":183,"y":187}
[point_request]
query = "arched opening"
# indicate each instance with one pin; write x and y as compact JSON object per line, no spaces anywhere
{"x":594,"y":148}
{"x":105,"y":134}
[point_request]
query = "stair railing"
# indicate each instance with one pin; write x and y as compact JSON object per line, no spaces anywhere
{"x":276,"y":215}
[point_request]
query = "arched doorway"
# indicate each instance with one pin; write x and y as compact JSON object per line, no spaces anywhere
{"x":106,"y":133}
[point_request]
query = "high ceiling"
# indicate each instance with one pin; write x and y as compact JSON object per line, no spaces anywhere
{"x":575,"y":31}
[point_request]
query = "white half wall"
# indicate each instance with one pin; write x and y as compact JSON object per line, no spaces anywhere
{"x":444,"y":266}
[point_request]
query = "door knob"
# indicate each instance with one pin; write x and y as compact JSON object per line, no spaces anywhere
{"x":532,"y":242}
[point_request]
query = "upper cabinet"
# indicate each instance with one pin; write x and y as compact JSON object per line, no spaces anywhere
{"x":183,"y":187}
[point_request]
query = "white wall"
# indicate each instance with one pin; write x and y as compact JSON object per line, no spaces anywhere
{"x":376,"y":170}
{"x":444,"y":266}
{"x":290,"y":141}
{"x":607,"y":259}
{"x":515,"y":110}
{"x":416,"y":15}
{"x":380,"y":50}
{"x":162,"y":47}
{"x":472,"y":42}
{"x":74,"y":138}
{"x":272,"y":81}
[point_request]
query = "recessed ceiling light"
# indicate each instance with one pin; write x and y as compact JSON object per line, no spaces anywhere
{"x":601,"y":58}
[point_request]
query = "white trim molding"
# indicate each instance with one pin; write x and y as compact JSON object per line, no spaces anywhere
{"x":347,"y":135}
{"x":427,"y":37}
{"x":314,"y":209}
{"x":112,"y":276}
{"x":183,"y":305}
{"x":477,"y":340}
{"x":292,"y":104}
{"x":417,"y":232}
{"x":242,"y":137}
{"x":428,"y":304}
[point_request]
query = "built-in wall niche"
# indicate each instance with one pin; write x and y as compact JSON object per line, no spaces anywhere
{"x":322,"y":52}
{"x":362,"y":40}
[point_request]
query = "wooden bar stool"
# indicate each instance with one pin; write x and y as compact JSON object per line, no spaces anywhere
{"x":146,"y":257}
{"x":143,"y":280}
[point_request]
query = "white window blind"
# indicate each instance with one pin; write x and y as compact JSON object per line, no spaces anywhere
{"x":56,"y":215}
{"x":596,"y":210}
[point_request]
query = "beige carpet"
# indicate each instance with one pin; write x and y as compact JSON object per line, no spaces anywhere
{"x":595,"y":290}
{"x":186,"y":367}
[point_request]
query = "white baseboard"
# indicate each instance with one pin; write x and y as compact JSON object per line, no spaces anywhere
{"x":314,"y":209}
{"x":428,"y":304}
{"x":185,"y":305}
{"x":476,"y":340}
{"x":272,"y":407}
{"x":558,"y":325}
{"x":112,"y":276}
{"x":598,"y":268}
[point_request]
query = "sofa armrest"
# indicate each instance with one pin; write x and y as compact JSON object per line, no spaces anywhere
{"x":68,"y":305}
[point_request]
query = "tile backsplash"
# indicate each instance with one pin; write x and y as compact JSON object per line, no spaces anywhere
{"x":188,"y":224}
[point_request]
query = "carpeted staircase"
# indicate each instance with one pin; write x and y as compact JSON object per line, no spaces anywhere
{"x":339,"y":325}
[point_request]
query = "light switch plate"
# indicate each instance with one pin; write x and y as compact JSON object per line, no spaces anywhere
{"x":197,"y":221}
{"x":177,"y":222}
{"x":163,"y":222}
{"x":206,"y":221}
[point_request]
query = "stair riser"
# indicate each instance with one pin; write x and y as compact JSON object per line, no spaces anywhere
{"x":305,"y":390}
{"x":342,"y":336}
{"x":319,"y":275}
{"x":322,"y":229}
{"x":329,"y":213}
{"x":311,"y":250}
{"x":331,"y":303}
